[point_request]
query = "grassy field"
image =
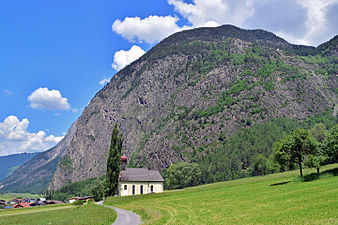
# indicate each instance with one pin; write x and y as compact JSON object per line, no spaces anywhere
{"x":9,"y":196}
{"x":62,"y":214}
{"x":274,"y":199}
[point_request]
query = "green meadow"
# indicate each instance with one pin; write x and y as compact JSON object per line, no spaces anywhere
{"x":9,"y":196}
{"x":273,"y":199}
{"x":62,"y":214}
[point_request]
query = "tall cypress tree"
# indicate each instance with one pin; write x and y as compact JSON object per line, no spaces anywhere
{"x":113,"y":163}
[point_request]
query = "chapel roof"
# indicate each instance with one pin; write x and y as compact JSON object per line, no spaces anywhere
{"x":140,"y":174}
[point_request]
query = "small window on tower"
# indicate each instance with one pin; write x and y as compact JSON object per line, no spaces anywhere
{"x":151,"y":188}
{"x":125,"y":187}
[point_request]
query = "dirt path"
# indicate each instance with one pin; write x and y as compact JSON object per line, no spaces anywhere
{"x":124,"y":217}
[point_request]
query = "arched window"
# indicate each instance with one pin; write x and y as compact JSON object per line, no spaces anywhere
{"x":133,"y":189}
{"x":125,"y":187}
{"x":151,"y":188}
{"x":141,"y":190}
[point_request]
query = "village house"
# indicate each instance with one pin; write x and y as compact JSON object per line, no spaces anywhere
{"x":22,"y":205}
{"x":135,"y":181}
{"x":74,"y":199}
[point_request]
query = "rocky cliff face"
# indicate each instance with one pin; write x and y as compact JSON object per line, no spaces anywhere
{"x":191,"y":87}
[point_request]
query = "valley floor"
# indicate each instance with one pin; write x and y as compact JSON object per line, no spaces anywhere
{"x":273,"y":199}
{"x":62,"y":214}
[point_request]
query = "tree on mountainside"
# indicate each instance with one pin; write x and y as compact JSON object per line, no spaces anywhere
{"x":113,"y":163}
{"x":295,"y":148}
{"x":97,"y":191}
{"x":183,"y":174}
{"x":331,"y":144}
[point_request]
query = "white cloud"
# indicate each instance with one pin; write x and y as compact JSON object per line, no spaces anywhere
{"x":14,"y":137}
{"x":309,"y":22}
{"x":201,"y":13}
{"x":42,"y":98}
{"x":123,"y":58}
{"x":7,"y":91}
{"x":316,"y":22}
{"x":285,"y":18}
{"x":104,"y":80}
{"x":150,"y":30}
{"x":75,"y":110}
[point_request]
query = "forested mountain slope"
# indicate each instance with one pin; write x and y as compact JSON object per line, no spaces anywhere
{"x":192,"y":90}
{"x":9,"y":163}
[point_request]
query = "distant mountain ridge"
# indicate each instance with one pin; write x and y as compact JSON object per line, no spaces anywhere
{"x":11,"y":162}
{"x":187,"y":91}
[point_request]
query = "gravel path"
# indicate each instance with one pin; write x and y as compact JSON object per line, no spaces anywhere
{"x":124,"y":217}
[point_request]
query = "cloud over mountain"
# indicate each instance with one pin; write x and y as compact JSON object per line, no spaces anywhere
{"x":14,"y":137}
{"x":123,"y":58}
{"x":42,"y":98}
{"x":298,"y":21}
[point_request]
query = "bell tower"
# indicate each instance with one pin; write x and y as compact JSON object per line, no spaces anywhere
{"x":124,"y":161}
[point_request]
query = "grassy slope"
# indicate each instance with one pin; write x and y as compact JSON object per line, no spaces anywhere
{"x":9,"y":196}
{"x":252,"y":200}
{"x":59,"y":214}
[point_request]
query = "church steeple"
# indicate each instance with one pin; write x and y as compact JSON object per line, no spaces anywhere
{"x":124,"y":161}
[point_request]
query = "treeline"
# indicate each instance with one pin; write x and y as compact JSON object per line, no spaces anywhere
{"x":81,"y":188}
{"x":249,"y":152}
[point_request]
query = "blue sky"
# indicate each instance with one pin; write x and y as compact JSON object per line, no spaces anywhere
{"x":55,"y":55}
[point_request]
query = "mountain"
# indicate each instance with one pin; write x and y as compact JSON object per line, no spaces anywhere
{"x":11,"y":162}
{"x":185,"y":93}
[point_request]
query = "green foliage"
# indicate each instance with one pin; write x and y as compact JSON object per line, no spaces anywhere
{"x":269,"y":86}
{"x":237,"y":59}
{"x":295,"y":147}
{"x":113,"y":163}
{"x":182,"y":174}
{"x":226,"y":99}
{"x":261,"y":165}
{"x":79,"y":202}
{"x":331,"y":144}
{"x":66,"y":163}
{"x":81,"y":188}
{"x":98,"y":191}
{"x":242,"y":147}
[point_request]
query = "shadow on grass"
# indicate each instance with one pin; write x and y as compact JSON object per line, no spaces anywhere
{"x":281,"y":183}
{"x":316,"y":176}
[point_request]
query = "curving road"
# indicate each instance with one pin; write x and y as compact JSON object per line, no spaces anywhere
{"x":124,"y":217}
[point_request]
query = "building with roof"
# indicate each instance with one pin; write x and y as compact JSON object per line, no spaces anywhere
{"x":22,"y":205}
{"x":136,"y":181}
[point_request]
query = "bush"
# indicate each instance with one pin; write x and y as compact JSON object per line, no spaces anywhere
{"x":79,"y":202}
{"x":98,"y":191}
{"x":183,"y":174}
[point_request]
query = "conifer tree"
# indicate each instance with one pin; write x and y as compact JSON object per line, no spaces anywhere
{"x":113,"y":163}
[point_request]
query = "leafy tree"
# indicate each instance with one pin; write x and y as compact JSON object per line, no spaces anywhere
{"x":294,"y":148}
{"x":331,"y":144}
{"x":113,"y":163}
{"x":183,"y":174}
{"x":49,"y":194}
{"x":98,"y":191}
{"x":261,"y":165}
{"x":318,"y":131}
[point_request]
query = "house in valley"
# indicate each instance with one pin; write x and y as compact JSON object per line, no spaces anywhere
{"x":135,"y":181}
{"x":22,"y":205}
